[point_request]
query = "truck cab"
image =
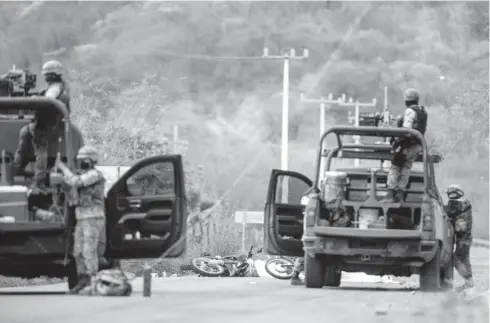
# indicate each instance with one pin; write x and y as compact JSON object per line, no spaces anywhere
{"x":148,"y":199}
{"x":343,"y":223}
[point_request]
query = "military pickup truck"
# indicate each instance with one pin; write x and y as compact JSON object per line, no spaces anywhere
{"x":371,"y":236}
{"x":148,"y":198}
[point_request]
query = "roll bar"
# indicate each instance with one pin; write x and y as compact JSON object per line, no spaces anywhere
{"x":369,"y":132}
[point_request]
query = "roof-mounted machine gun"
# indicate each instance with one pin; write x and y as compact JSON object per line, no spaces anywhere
{"x":17,"y":82}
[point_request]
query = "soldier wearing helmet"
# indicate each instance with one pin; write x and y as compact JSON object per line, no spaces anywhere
{"x":37,"y":134}
{"x":87,"y":188}
{"x":459,"y":211}
{"x":406,"y":150}
{"x":57,"y":86}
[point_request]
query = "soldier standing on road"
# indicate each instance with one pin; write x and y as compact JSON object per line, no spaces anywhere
{"x":459,"y":211}
{"x":35,"y":137}
{"x":88,"y":198}
{"x":406,"y":149}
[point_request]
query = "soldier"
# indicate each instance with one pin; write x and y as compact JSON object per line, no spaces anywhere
{"x":57,"y":86}
{"x":459,"y":211}
{"x":406,"y":149}
{"x":88,"y":198}
{"x":299,"y":266}
{"x":35,"y":137}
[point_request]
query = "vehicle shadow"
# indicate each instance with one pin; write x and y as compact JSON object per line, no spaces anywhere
{"x":24,"y":293}
{"x":375,"y":288}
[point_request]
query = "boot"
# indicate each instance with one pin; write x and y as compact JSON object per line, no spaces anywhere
{"x":295,"y":281}
{"x":468,"y":284}
{"x":83,"y":281}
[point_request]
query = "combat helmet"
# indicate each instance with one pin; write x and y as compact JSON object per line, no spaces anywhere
{"x":411,"y":95}
{"x":88,"y":152}
{"x":52,"y":67}
{"x":455,"y":188}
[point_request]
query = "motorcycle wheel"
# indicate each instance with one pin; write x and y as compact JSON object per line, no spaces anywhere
{"x":201,"y":266}
{"x":280,"y":268}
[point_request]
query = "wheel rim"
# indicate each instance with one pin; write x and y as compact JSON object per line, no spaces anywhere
{"x":203,"y":264}
{"x":280,"y":267}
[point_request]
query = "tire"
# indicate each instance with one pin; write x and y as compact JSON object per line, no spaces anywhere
{"x":72,"y":275}
{"x":447,"y":275}
{"x":216,"y":271}
{"x":270,"y":269}
{"x":430,"y":273}
{"x":314,"y":271}
{"x":332,"y":276}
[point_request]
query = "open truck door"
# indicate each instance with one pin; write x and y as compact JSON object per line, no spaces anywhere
{"x":146,"y":210}
{"x":284,"y":213}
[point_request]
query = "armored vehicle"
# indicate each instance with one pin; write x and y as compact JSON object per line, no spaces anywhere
{"x":148,"y":199}
{"x":343,"y":223}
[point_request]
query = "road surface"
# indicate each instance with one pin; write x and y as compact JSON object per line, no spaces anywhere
{"x":264,"y":299}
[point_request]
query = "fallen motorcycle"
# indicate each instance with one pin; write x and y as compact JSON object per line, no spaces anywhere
{"x":280,"y":267}
{"x":228,"y":266}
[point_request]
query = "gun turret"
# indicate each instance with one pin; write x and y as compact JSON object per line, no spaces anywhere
{"x":18,"y":83}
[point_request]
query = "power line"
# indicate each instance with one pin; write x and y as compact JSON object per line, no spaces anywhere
{"x":232,"y":58}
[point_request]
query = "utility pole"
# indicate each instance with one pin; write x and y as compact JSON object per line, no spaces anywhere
{"x":324,"y":103}
{"x":178,"y":146}
{"x":357,"y":105}
{"x":287,"y":55}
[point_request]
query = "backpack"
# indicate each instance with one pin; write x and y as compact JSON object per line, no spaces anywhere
{"x":110,"y":282}
{"x":420,"y":123}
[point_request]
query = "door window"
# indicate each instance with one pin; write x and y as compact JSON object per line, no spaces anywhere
{"x":290,"y":190}
{"x":154,"y":179}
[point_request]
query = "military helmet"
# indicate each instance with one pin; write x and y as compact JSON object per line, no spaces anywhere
{"x":52,"y":67}
{"x":88,"y":152}
{"x":454,"y":188}
{"x":411,"y":95}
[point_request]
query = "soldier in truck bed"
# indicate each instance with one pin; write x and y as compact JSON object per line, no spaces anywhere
{"x":406,"y":149}
{"x":39,"y":134}
{"x":459,"y":211}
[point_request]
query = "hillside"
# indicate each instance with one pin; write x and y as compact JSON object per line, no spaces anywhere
{"x":139,"y":68}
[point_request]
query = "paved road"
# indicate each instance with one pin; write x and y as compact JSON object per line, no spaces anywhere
{"x":264,"y":299}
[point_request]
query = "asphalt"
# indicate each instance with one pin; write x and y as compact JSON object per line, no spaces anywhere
{"x":359,"y":299}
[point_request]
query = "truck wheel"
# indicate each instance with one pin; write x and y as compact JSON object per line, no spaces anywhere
{"x":430,"y":273}
{"x":314,"y":271}
{"x":72,"y":275}
{"x":447,"y":275}
{"x":332,"y":276}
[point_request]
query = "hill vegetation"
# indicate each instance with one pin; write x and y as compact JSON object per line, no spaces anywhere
{"x":139,"y":68}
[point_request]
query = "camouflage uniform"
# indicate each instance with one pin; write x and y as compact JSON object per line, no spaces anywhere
{"x":460,"y":213}
{"x":299,"y":266}
{"x":406,"y":149}
{"x":87,"y":195}
{"x":34,"y":138}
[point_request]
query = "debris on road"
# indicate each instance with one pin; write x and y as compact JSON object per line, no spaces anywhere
{"x":147,"y":281}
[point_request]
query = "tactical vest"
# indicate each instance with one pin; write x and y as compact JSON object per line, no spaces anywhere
{"x":420,"y":122}
{"x":64,"y":95}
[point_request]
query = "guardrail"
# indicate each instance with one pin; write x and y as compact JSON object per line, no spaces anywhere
{"x":481,"y":243}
